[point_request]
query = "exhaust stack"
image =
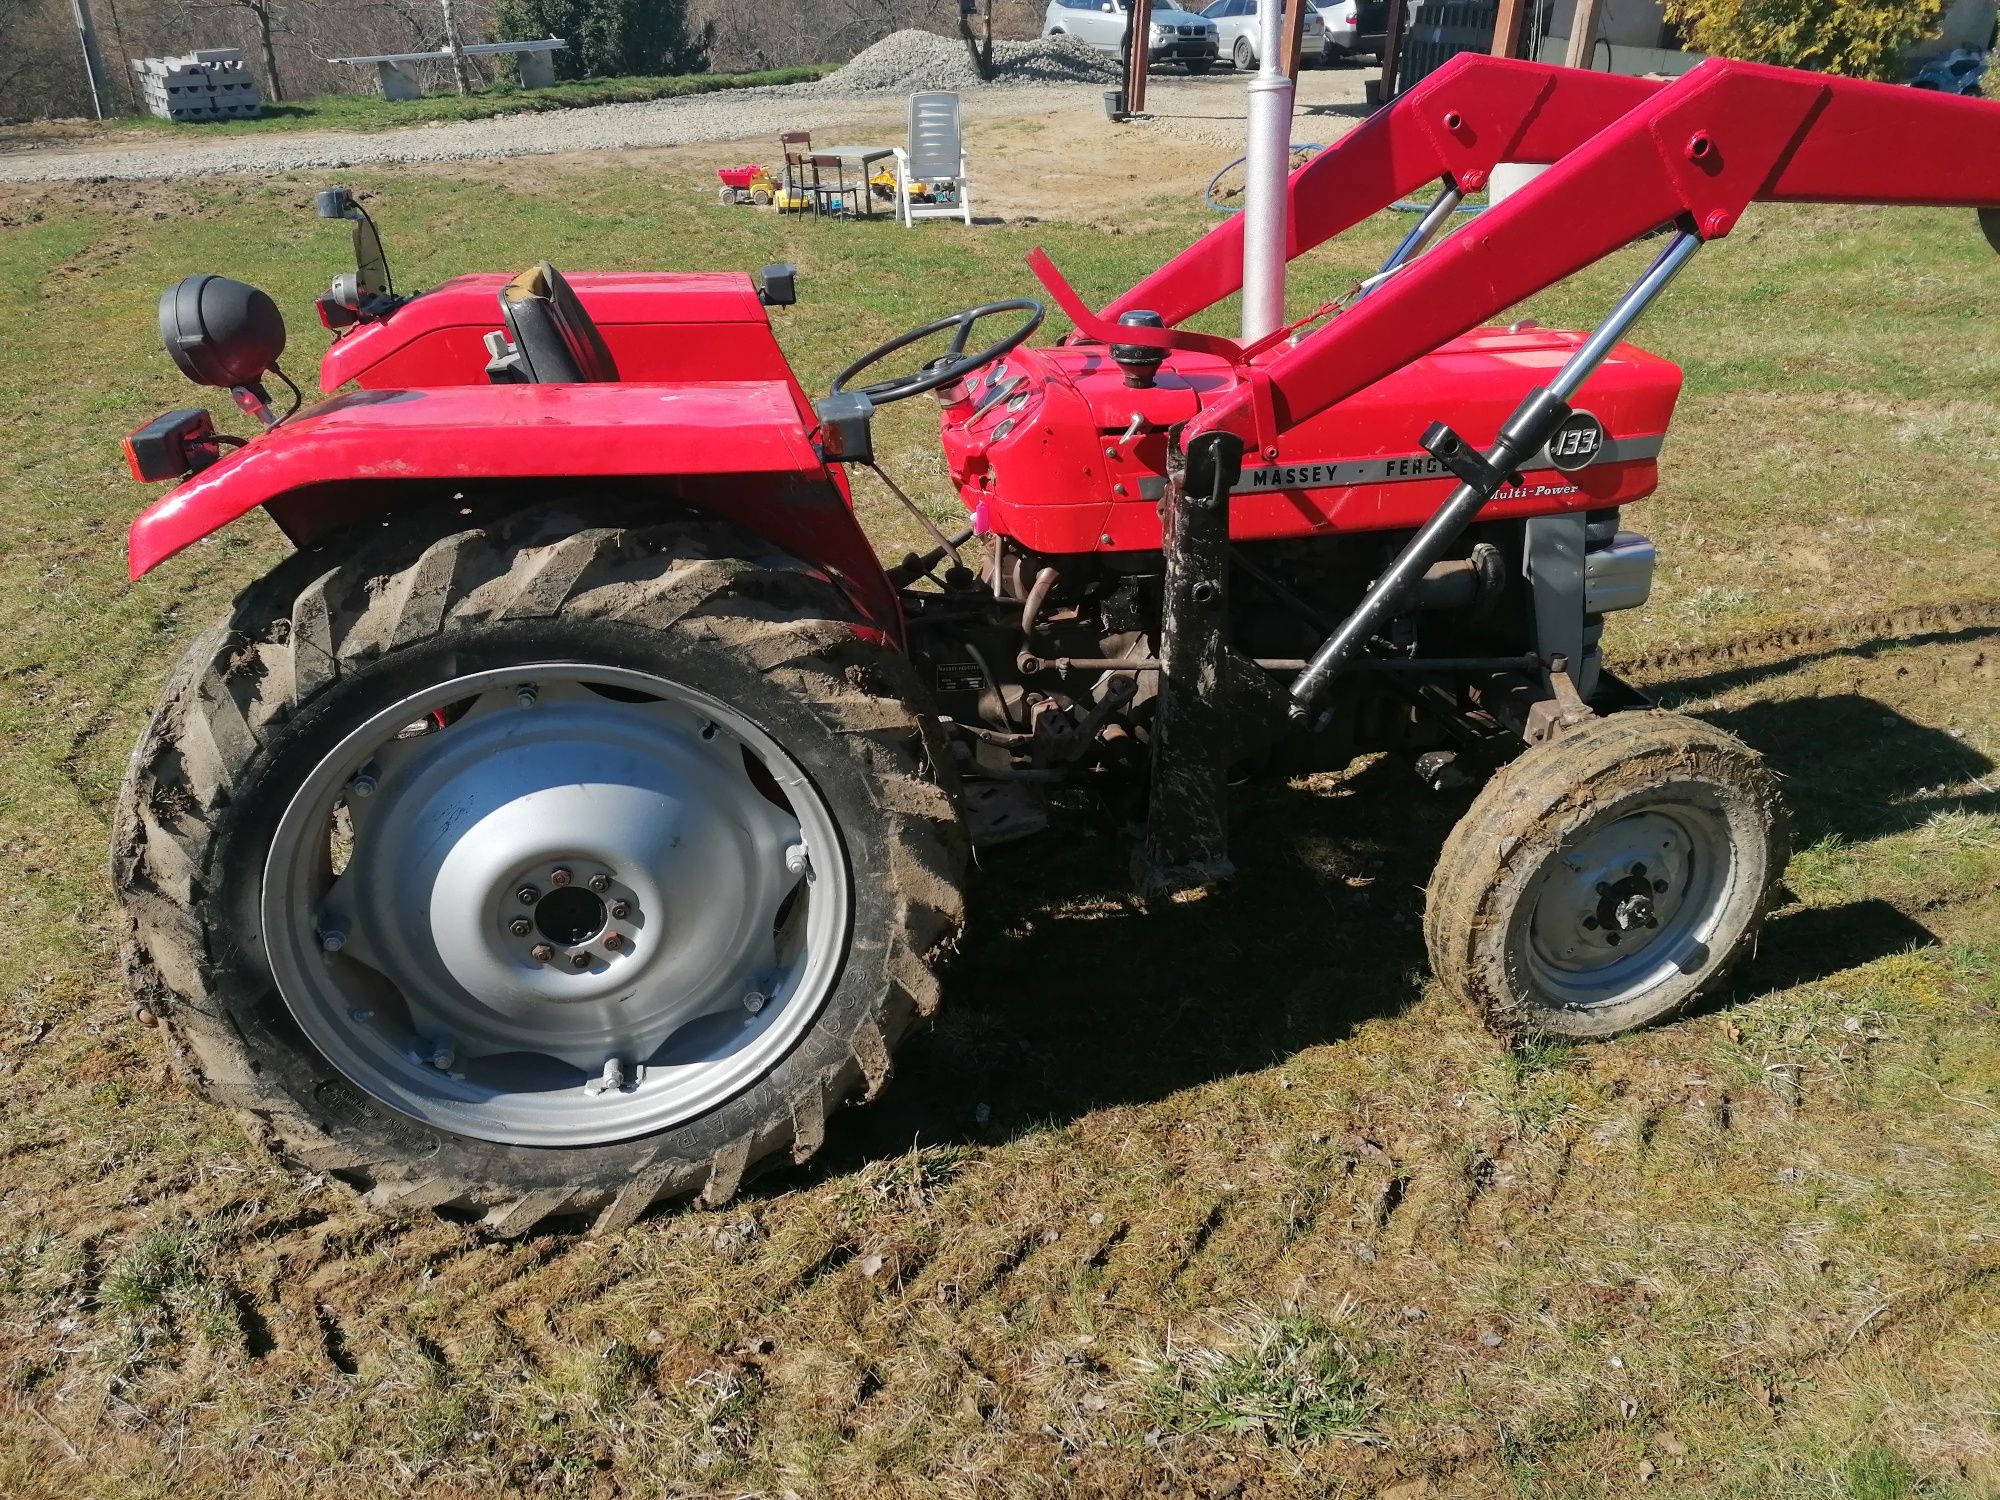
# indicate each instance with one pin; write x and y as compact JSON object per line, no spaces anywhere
{"x":1266,"y":166}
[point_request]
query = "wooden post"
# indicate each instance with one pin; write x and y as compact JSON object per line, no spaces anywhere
{"x":1393,"y":26}
{"x":1139,"y":18}
{"x":1508,"y":26}
{"x":1583,"y":33}
{"x":1295,"y":35}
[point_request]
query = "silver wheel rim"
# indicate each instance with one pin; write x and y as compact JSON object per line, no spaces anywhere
{"x":1637,"y":902}
{"x":556,"y":905}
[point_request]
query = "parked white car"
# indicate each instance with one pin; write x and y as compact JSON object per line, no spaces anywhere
{"x":1236,"y":28}
{"x":1353,"y":28}
{"x":1177,"y":35}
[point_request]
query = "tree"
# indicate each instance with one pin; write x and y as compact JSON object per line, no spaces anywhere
{"x":980,"y":52}
{"x":459,"y":77}
{"x":1857,"y":38}
{"x":610,"y":38}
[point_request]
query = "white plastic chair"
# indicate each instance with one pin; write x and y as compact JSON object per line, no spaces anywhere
{"x":935,"y":155}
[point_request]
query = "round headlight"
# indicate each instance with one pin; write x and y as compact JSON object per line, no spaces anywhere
{"x":221,"y":332}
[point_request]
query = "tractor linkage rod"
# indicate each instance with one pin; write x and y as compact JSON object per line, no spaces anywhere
{"x":1534,"y":421}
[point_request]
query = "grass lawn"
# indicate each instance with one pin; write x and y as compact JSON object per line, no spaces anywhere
{"x":1225,"y":1202}
{"x":373,"y":112}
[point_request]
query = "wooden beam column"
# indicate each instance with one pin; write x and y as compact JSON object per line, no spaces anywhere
{"x":1139,"y":19}
{"x":1295,"y":33}
{"x":1508,"y":26}
{"x":1394,"y":25}
{"x":1583,"y":33}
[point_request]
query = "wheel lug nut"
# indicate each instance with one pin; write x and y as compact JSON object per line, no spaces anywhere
{"x":621,"y":910}
{"x":755,"y":1001}
{"x":362,"y":785}
{"x":527,"y":895}
{"x":1590,"y":924}
{"x":541,"y":953}
{"x":1603,"y":889}
{"x":1611,"y":938}
{"x":525,"y":695}
{"x":1659,"y":885}
{"x":613,"y":942}
{"x":579,"y":960}
{"x":520,"y":927}
{"x":332,"y":940}
{"x":559,"y":877}
{"x":1638,"y":869}
{"x":600,"y":883}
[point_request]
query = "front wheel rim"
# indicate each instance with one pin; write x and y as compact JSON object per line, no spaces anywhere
{"x":1637,"y":901}
{"x":556,"y":905}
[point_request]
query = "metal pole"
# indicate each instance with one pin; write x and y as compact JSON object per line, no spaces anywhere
{"x":1522,"y":436}
{"x":1267,"y":163}
{"x":1441,"y":209}
{"x":1594,"y":350}
{"x":93,"y":56}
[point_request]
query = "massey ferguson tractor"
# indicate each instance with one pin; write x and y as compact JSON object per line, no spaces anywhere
{"x":582,"y":812}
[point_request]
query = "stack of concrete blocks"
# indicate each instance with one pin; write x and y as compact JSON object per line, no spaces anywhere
{"x":211,"y":85}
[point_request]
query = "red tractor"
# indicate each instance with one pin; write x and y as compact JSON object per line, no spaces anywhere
{"x":582,"y":812}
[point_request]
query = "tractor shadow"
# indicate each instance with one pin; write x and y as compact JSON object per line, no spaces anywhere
{"x":1067,"y":998}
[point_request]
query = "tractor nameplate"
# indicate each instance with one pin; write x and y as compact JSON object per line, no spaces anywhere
{"x":1346,"y":473}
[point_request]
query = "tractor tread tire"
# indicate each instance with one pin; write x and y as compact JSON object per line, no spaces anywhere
{"x":324,"y":612}
{"x":1524,"y":815}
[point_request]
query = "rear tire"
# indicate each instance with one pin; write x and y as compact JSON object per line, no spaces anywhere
{"x":326,"y":645}
{"x":1608,"y":878}
{"x":1243,"y":56}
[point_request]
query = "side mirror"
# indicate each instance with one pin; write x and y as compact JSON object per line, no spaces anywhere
{"x":370,"y":277}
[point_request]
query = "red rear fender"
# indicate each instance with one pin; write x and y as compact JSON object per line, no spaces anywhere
{"x":739,"y":451}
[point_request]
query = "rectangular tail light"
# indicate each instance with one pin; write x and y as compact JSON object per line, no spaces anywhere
{"x":180,"y":443}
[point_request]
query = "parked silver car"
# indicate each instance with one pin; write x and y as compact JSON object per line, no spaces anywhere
{"x":1352,"y":28}
{"x":1176,"y":35}
{"x":1236,"y":28}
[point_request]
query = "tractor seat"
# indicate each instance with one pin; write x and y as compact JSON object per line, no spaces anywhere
{"x":550,"y":339}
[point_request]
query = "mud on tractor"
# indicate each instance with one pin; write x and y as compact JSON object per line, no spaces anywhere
{"x":583,"y":811}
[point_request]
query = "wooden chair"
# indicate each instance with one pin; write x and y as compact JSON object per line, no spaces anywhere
{"x":800,"y":180}
{"x":825,"y":192}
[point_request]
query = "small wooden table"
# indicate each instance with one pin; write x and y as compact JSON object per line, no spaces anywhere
{"x":861,"y":158}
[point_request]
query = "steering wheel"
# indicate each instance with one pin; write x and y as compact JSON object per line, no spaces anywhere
{"x":950,"y":365}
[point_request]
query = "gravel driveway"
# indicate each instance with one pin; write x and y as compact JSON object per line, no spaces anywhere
{"x":659,"y":122}
{"x":869,"y":92}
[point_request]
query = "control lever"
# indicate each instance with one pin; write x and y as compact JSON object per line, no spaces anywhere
{"x":1481,"y":477}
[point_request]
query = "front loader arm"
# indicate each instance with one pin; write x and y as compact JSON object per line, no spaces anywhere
{"x":1696,"y":152}
{"x":1456,"y":124}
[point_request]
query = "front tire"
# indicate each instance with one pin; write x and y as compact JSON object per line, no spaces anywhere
{"x":680,"y":732}
{"x":1199,"y":66}
{"x":1607,"y":878}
